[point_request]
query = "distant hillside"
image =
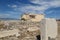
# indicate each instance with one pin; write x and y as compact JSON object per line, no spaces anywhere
{"x":8,"y":19}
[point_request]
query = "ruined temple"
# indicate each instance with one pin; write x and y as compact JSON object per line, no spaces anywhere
{"x":29,"y":27}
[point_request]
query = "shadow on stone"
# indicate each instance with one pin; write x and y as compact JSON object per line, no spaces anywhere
{"x":38,"y":37}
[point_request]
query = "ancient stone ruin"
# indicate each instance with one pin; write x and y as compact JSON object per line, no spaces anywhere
{"x":29,"y":29}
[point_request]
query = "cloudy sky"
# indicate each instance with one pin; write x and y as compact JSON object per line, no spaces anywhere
{"x":15,"y":8}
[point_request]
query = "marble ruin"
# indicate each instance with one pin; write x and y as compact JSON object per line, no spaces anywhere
{"x":30,"y":27}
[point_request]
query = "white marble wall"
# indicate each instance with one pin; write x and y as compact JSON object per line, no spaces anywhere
{"x":48,"y":28}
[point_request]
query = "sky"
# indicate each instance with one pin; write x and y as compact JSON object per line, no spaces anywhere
{"x":15,"y":8}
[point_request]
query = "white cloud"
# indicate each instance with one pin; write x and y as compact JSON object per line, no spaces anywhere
{"x":34,"y":9}
{"x":4,"y":15}
{"x":37,"y":9}
{"x":54,"y":3}
{"x":50,"y":12}
{"x":35,"y":1}
{"x":44,"y":5}
{"x":13,"y":6}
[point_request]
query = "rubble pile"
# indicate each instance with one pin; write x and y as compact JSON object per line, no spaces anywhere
{"x":27,"y":30}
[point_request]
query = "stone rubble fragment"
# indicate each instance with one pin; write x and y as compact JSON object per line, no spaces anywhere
{"x":27,"y":31}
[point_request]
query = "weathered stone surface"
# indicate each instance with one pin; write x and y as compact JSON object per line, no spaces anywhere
{"x":48,"y":28}
{"x":27,"y":30}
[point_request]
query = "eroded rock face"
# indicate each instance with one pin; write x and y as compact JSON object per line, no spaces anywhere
{"x":27,"y":31}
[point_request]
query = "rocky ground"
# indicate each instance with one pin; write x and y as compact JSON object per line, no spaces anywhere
{"x":25,"y":30}
{"x":26,"y":34}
